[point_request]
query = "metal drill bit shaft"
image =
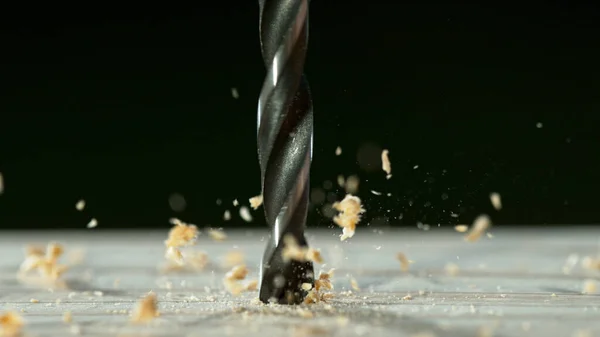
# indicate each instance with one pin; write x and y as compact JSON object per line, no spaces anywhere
{"x":285,"y":132}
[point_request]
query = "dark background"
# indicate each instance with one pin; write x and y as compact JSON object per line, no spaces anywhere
{"x":123,"y":107}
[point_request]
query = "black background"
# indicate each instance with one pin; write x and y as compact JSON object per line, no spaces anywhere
{"x":124,"y":106}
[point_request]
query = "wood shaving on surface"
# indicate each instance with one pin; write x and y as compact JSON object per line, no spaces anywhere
{"x":256,"y":202}
{"x":404,"y":261}
{"x":80,"y":205}
{"x":316,"y":293}
{"x":386,"y":166}
{"x":11,"y":324}
{"x":146,"y":309}
{"x":45,"y":262}
{"x":496,"y":200}
{"x":350,"y":211}
{"x":245,"y":214}
{"x":234,"y":276}
{"x":217,"y":234}
{"x":481,"y":224}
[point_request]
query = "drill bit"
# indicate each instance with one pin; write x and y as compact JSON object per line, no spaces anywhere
{"x":285,"y":132}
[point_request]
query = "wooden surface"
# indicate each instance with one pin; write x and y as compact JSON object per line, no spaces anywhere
{"x":510,"y":285}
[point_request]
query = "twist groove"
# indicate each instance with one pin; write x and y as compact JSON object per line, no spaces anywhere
{"x":285,"y":132}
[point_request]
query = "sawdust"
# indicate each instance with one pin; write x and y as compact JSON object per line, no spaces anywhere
{"x":11,"y":324}
{"x":190,"y":261}
{"x":461,"y":228}
{"x":92,"y":224}
{"x":217,"y":234}
{"x":590,"y":287}
{"x":496,"y":200}
{"x":234,"y":93}
{"x":146,"y":309}
{"x":245,"y":214}
{"x":256,"y":202}
{"x":582,"y":333}
{"x":293,"y":251}
{"x":354,"y":284}
{"x":386,"y":166}
{"x":234,"y":276}
{"x":233,"y":258}
{"x":45,"y":262}
{"x":424,"y":334}
{"x":341,"y":180}
{"x":404,"y":261}
{"x":350,"y":211}
{"x":481,"y":224}
{"x":352,"y":183}
{"x":80,"y":205}
{"x":309,"y":331}
{"x":67,"y":317}
{"x":319,"y":293}
{"x":452,"y":269}
{"x":591,"y":263}
{"x":181,"y":235}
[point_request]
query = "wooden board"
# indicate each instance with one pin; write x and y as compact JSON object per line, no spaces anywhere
{"x":513,"y":284}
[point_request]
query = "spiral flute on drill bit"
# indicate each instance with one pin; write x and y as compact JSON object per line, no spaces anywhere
{"x":285,"y":131}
